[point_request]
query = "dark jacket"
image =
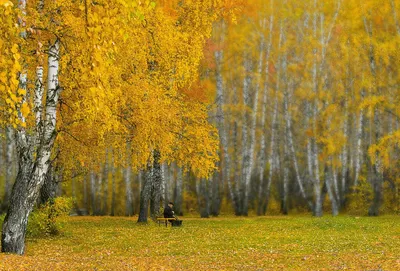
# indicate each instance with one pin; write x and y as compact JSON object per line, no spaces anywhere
{"x":168,"y":212}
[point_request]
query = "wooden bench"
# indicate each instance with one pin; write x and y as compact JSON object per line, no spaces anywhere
{"x":164,"y":220}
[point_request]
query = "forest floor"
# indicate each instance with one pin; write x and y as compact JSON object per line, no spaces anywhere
{"x":226,"y":243}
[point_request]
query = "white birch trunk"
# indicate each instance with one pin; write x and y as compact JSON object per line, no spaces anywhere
{"x":262,"y":159}
{"x":9,"y":165}
{"x":344,"y":161}
{"x":328,"y":179}
{"x":167,"y":183}
{"x":314,"y":148}
{"x":252,"y":139}
{"x":394,"y":11}
{"x":274,"y":123}
{"x":32,"y":171}
{"x":93,"y":191}
{"x":336,"y":185}
{"x":113,"y":190}
{"x":220,"y":99}
{"x":85,"y":198}
{"x":286,"y":162}
{"x":358,"y":154}
{"x":38,"y":97}
{"x":106,"y":170}
{"x":128,"y":183}
{"x":245,"y":137}
{"x":293,"y":151}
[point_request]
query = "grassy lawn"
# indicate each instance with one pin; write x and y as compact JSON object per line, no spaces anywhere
{"x":227,"y":243}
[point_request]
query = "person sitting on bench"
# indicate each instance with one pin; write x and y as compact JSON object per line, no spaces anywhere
{"x":168,"y":212}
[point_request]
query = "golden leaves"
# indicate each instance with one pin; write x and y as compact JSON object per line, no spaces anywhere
{"x":6,"y":3}
{"x":131,"y":78}
{"x":9,"y":64}
{"x":25,"y":110}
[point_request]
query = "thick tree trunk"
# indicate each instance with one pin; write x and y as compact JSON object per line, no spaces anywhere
{"x":32,"y":169}
{"x":49,"y":187}
{"x":317,"y":182}
{"x":202,"y":187}
{"x":215,"y":204}
{"x":10,"y":146}
{"x":16,"y":220}
{"x":328,"y":180}
{"x":145,"y":194}
{"x":155,"y":199}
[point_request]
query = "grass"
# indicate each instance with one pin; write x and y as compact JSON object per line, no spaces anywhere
{"x":226,"y":243}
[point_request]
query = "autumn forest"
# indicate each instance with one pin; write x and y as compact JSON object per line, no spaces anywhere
{"x":224,"y":107}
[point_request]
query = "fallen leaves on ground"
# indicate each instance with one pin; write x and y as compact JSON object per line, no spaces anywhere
{"x":227,"y":243}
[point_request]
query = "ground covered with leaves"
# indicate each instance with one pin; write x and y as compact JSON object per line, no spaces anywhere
{"x":226,"y":243}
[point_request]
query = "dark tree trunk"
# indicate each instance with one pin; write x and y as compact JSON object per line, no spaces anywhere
{"x":104,"y":181}
{"x":145,"y":195}
{"x":376,"y":179}
{"x":216,"y":196}
{"x":377,"y":185}
{"x":32,"y":168}
{"x":128,"y":184}
{"x":203,"y":197}
{"x":93,"y":192}
{"x":155,"y":199}
{"x":26,"y":189}
{"x":49,"y":188}
{"x":9,"y":168}
{"x":113,"y":191}
{"x":167,"y":183}
{"x":21,"y":205}
{"x":178,"y":191}
{"x":85,"y":199}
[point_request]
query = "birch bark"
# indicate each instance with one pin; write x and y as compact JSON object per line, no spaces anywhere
{"x":10,"y":146}
{"x":223,"y":134}
{"x":274,"y":124}
{"x":145,"y":194}
{"x":248,"y":166}
{"x":32,"y":170}
{"x":262,"y":158}
{"x":128,"y":184}
{"x":155,"y":200}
